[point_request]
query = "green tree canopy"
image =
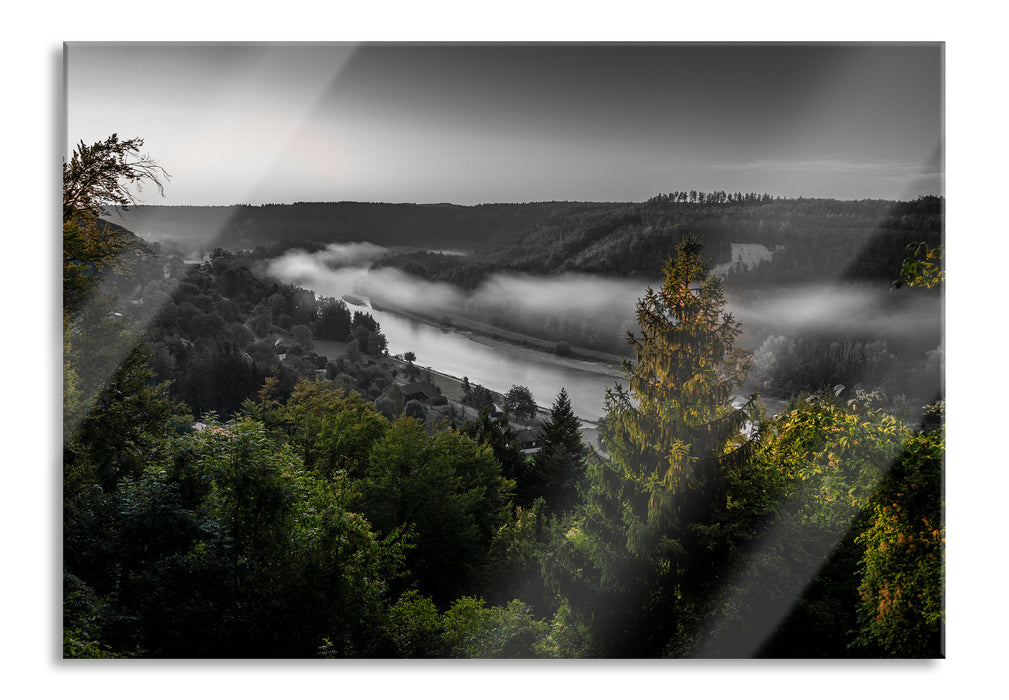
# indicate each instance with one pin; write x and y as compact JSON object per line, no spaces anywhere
{"x":334,"y":428}
{"x":795,"y":509}
{"x":447,"y":492}
{"x":924,"y":267}
{"x":901,"y":593}
{"x":96,"y":179}
{"x":519,"y":402}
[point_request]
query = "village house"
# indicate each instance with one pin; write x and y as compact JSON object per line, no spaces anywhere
{"x":424,"y":392}
{"x":530,"y":440}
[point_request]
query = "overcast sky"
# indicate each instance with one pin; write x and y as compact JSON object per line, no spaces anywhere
{"x":256,"y":123}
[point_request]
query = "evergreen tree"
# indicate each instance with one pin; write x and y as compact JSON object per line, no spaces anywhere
{"x":631,"y":563}
{"x":498,"y":434}
{"x":560,"y":465}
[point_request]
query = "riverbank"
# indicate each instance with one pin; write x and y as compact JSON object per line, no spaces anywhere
{"x":452,"y":389}
{"x":487,"y":333}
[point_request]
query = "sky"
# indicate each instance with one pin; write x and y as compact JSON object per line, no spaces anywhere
{"x":508,"y":122}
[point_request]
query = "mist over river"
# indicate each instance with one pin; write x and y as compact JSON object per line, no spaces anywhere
{"x":458,"y":353}
{"x":343,"y":271}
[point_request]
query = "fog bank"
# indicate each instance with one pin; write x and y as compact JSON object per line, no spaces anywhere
{"x":559,"y":305}
{"x":594,"y":311}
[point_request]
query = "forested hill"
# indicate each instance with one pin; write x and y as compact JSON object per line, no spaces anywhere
{"x":807,"y":240}
{"x":812,"y":235}
{"x":483,"y":227}
{"x":810,"y":239}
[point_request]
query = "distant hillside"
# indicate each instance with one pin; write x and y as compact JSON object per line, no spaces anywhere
{"x":479,"y":228}
{"x":861,"y":239}
{"x":809,"y":240}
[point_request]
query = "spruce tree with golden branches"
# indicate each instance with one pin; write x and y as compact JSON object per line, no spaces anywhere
{"x":632,"y":562}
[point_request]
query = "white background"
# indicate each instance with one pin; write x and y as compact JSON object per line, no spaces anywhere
{"x":975,"y":335}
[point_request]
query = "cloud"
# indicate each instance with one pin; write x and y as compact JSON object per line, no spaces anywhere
{"x":586,"y":296}
{"x":830,"y":166}
{"x":341,"y":254}
{"x":342,"y":268}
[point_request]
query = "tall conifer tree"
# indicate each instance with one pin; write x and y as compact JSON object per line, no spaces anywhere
{"x":561,"y":462}
{"x":631,"y":563}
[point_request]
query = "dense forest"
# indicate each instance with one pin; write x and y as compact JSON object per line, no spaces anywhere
{"x":247,"y":472}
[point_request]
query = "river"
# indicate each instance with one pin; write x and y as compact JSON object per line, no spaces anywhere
{"x":493,"y":364}
{"x":499,"y":366}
